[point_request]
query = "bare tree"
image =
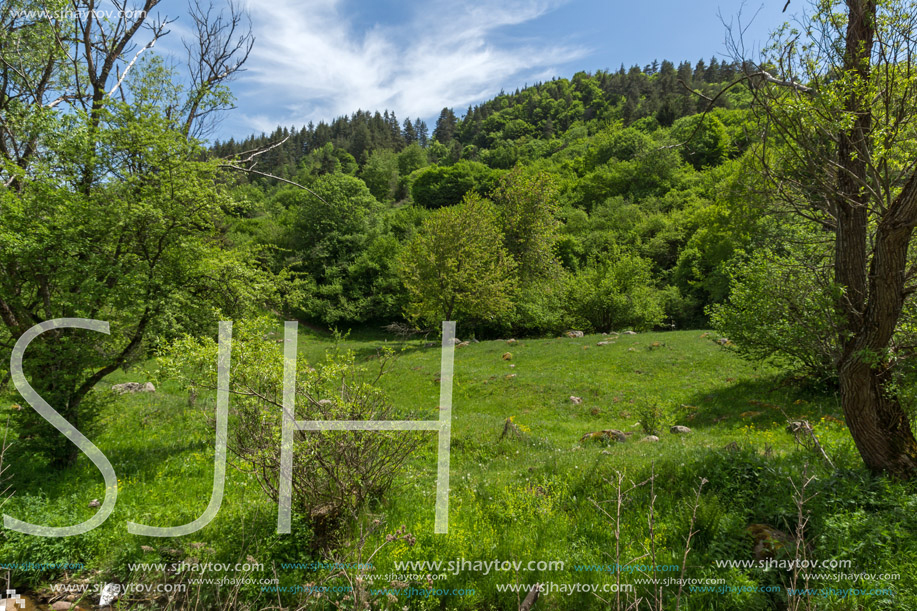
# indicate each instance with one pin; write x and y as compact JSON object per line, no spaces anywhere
{"x":215,"y":55}
{"x":836,"y":98}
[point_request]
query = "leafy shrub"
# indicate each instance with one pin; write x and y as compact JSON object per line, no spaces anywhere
{"x":456,"y":268}
{"x":652,"y":416}
{"x":614,"y":291}
{"x":776,"y":312}
{"x":335,"y":473}
{"x":439,"y":186}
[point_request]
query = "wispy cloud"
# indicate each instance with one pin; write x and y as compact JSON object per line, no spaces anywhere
{"x":311,"y":61}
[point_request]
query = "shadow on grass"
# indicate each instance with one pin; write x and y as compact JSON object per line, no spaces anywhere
{"x":760,"y":401}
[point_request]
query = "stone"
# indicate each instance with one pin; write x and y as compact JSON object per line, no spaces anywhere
{"x":507,"y":356}
{"x":462,"y":345}
{"x":679,"y":430}
{"x":604,"y":343}
{"x":132,"y":387}
{"x":607,"y":434}
{"x":61,"y":605}
{"x":456,"y":340}
{"x":573,"y":334}
{"x":629,"y":333}
{"x":510,"y":376}
{"x":94,"y":503}
{"x":650,"y":438}
{"x":510,"y":341}
{"x":576,"y":400}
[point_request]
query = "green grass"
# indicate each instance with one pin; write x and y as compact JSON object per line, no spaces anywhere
{"x":521,"y":498}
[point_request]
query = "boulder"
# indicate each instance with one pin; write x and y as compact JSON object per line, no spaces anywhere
{"x":629,"y":333}
{"x":574,"y":334}
{"x":650,"y":438}
{"x":132,"y":387}
{"x":679,"y":430}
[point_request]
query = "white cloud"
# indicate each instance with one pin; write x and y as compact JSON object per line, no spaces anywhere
{"x":310,"y":63}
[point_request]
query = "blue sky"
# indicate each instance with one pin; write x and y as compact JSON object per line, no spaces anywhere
{"x":317,"y":59}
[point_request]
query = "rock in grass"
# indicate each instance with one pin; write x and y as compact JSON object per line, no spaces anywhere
{"x":679,"y":430}
{"x":629,"y":333}
{"x":132,"y":387}
{"x":507,"y":356}
{"x":607,"y":434}
{"x":573,"y":334}
{"x":650,"y":438}
{"x":576,"y":400}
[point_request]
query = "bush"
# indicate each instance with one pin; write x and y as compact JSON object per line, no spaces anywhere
{"x":438,"y":186}
{"x":778,"y":310}
{"x":652,"y":416}
{"x":614,"y":291}
{"x":335,"y":473}
{"x":456,"y":268}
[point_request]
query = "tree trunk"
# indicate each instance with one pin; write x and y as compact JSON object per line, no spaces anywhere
{"x":872,"y":302}
{"x":878,"y":424}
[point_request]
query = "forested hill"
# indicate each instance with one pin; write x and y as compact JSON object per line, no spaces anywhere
{"x":490,"y":131}
{"x":606,"y":201}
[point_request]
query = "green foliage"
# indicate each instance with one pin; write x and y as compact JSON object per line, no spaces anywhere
{"x":706,"y":142}
{"x":143,"y":250}
{"x":340,"y":238}
{"x":614,"y":291}
{"x":335,"y":473}
{"x":652,"y":416}
{"x":456,"y":268}
{"x":380,"y":173}
{"x":439,"y":186}
{"x":776,"y":312}
{"x":527,"y":205}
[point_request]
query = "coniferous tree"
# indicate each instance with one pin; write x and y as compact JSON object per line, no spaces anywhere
{"x":408,"y":133}
{"x":445,"y":126}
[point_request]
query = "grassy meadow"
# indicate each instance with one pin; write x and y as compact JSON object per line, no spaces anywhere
{"x":534,"y":494}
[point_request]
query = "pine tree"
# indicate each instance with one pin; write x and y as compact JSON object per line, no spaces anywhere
{"x":420,"y":127}
{"x":445,"y":126}
{"x":408,"y":133}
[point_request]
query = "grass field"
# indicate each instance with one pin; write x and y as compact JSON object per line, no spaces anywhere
{"x":532,"y":495}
